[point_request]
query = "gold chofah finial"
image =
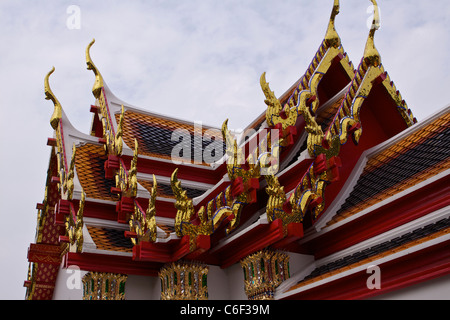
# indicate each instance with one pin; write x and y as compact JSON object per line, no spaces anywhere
{"x":371,"y":55}
{"x":96,"y":90}
{"x":57,"y":113}
{"x":332,"y":37}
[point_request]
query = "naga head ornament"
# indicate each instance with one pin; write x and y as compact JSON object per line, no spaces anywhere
{"x":49,"y":95}
{"x":98,"y":85}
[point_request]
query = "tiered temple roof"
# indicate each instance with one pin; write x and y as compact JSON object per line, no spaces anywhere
{"x":118,"y":200}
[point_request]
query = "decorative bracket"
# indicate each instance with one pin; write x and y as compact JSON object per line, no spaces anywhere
{"x":74,"y":224}
{"x":218,"y":211}
{"x":143,"y":224}
{"x":126,"y":180}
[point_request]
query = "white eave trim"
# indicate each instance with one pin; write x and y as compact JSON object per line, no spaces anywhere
{"x":363,"y":267}
{"x":430,"y":218}
{"x":262,"y":220}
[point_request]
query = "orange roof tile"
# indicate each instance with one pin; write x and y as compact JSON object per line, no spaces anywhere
{"x":89,"y":164}
{"x":154,"y":134}
{"x":415,"y":158}
{"x":110,"y":239}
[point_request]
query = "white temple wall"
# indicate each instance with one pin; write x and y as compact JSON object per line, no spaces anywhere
{"x":142,"y":288}
{"x":218,"y":284}
{"x":223,"y":284}
{"x":68,"y":285}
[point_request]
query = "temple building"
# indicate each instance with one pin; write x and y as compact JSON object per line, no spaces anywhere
{"x":336,"y":191}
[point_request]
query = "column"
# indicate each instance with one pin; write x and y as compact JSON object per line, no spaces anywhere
{"x":184,"y":281}
{"x":264,"y":271}
{"x":104,"y":286}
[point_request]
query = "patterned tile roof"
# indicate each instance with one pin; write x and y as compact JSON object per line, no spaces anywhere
{"x":165,"y":190}
{"x":89,"y":163}
{"x":413,"y":159}
{"x":154,"y":135}
{"x":110,"y":239}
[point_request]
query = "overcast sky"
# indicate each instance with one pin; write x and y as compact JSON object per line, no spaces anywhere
{"x":199,"y":60}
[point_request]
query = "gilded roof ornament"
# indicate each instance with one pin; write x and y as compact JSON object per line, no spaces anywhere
{"x":371,"y":54}
{"x":276,"y":201}
{"x":74,"y":225}
{"x":191,"y":281}
{"x":185,"y":209}
{"x":118,"y":140}
{"x":264,"y":271}
{"x":126,"y":180}
{"x":217,"y":211}
{"x":275,"y":112}
{"x":98,"y":85}
{"x":68,"y":183}
{"x":143,"y":224}
{"x":235,"y":156}
{"x":49,"y":95}
{"x":150,"y":214}
{"x":331,"y":37}
{"x":104,"y":286}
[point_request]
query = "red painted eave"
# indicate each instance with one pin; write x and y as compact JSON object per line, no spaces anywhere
{"x":412,"y":206}
{"x":170,"y":251}
{"x":111,"y":263}
{"x":256,"y":238}
{"x":198,"y":173}
{"x":410,"y":269}
{"x":44,"y":253}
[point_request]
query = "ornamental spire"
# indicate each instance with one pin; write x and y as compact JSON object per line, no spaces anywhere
{"x":96,"y":90}
{"x":371,"y":54}
{"x":332,"y":37}
{"x":49,"y":95}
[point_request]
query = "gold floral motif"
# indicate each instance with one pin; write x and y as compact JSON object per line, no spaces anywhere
{"x":264,"y":271}
{"x":184,"y":281}
{"x":104,"y":286}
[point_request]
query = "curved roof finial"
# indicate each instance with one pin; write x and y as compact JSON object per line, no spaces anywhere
{"x":371,"y":54}
{"x":332,"y":37}
{"x":49,"y":95}
{"x":96,"y":90}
